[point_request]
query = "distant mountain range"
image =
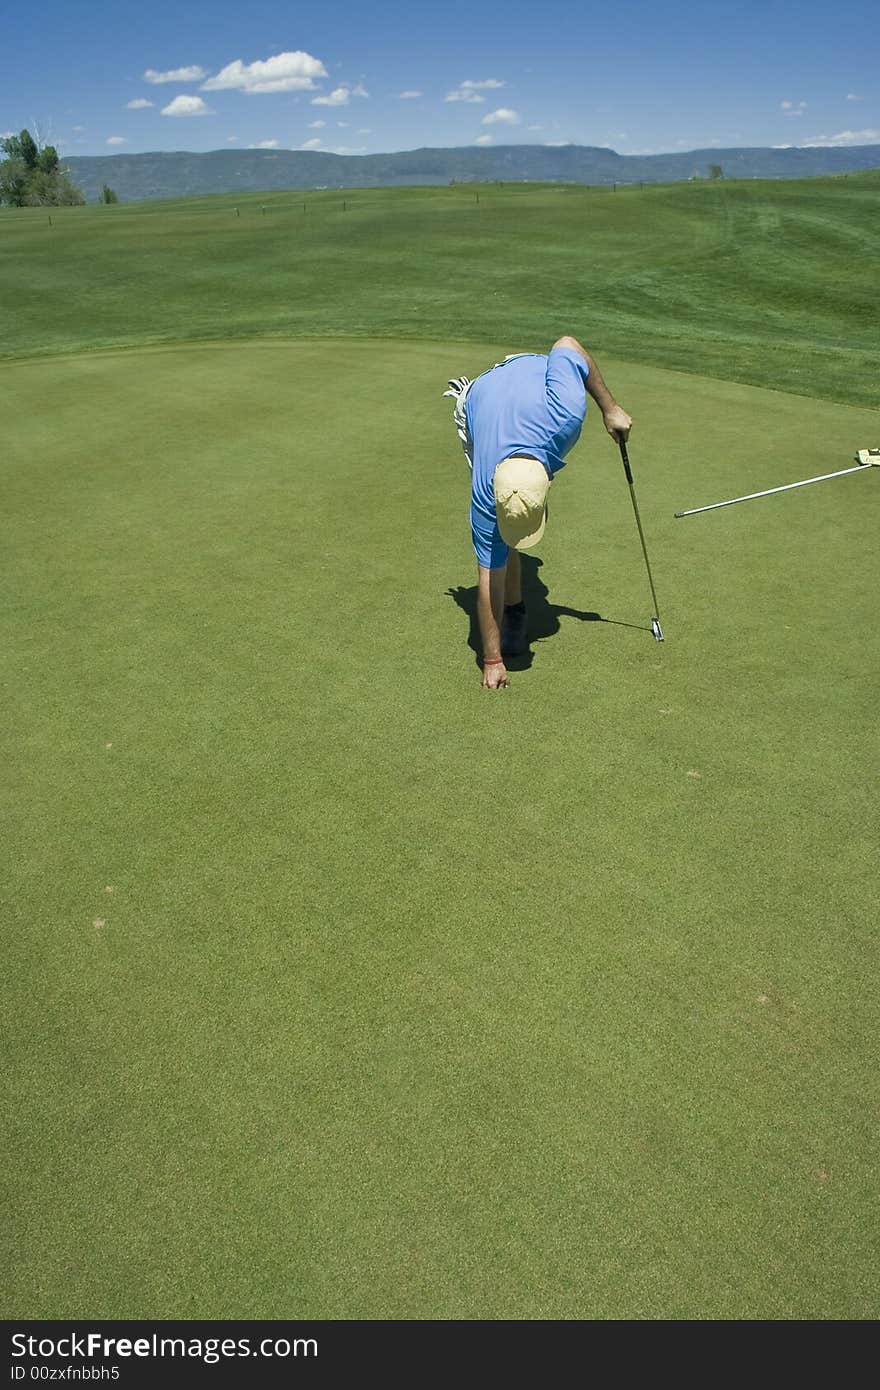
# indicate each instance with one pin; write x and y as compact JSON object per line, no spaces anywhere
{"x":180,"y":175}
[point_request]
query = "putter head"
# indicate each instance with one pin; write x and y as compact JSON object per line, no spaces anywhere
{"x":657,"y":629}
{"x":868,"y":456}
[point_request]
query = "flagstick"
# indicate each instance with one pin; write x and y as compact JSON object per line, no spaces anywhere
{"x":785,"y":488}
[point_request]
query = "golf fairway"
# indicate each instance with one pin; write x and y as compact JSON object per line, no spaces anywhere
{"x":339,"y":988}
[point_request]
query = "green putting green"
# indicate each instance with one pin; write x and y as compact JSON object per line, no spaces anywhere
{"x":340,"y":988}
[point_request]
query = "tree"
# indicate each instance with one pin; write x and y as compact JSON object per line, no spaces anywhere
{"x":13,"y":182}
{"x":107,"y":195}
{"x":22,"y":147}
{"x":47,"y":160}
{"x":716,"y":171}
{"x":31,"y":177}
{"x":51,"y":191}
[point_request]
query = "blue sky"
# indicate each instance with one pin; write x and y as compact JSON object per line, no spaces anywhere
{"x":100,"y":78}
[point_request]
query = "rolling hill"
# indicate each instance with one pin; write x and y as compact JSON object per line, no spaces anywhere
{"x":180,"y":174}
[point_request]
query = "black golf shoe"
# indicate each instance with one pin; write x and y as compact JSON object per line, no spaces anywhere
{"x":514,"y":636}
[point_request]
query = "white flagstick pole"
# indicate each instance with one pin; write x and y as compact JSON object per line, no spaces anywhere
{"x":785,"y":488}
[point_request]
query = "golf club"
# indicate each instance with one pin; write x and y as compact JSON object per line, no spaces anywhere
{"x":868,"y":458}
{"x":656,"y":629}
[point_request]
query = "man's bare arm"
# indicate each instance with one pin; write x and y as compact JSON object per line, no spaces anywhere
{"x":617,"y":422}
{"x":490,"y":612}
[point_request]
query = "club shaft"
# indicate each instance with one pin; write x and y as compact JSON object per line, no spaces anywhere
{"x":786,"y":487}
{"x":632,"y":493}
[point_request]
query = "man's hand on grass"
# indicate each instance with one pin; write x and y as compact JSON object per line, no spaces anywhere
{"x":495,"y":676}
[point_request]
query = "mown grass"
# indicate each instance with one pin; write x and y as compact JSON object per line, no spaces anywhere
{"x":770,"y":283}
{"x":336,"y":987}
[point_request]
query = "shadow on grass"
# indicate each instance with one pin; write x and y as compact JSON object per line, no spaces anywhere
{"x":543,"y":616}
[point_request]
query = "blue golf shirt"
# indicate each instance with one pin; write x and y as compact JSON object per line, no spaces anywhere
{"x":532,"y":404}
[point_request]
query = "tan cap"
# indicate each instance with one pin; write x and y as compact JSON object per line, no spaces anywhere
{"x":521,"y":486}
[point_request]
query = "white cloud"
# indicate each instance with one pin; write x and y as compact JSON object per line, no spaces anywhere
{"x":560,"y":144}
{"x":317,"y":125}
{"x":139,"y":104}
{"x":470,"y":90}
{"x":8,"y":134}
{"x":232,"y":139}
{"x":365,"y":131}
{"x":536,"y":127}
{"x":79,"y":129}
{"x":792,"y":109}
{"x":845,"y":137}
{"x":343,"y":125}
{"x":503,"y":116}
{"x":348,"y":149}
{"x":193,"y":74}
{"x":187,"y":106}
{"x":408,"y":96}
{"x":340,"y":96}
{"x":265,"y":145}
{"x":117,"y":140}
{"x":484,"y":139}
{"x":311,"y":145}
{"x":284,"y":72}
{"x":851,"y":96}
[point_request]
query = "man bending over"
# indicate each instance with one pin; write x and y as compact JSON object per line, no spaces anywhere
{"x":517,"y":422}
